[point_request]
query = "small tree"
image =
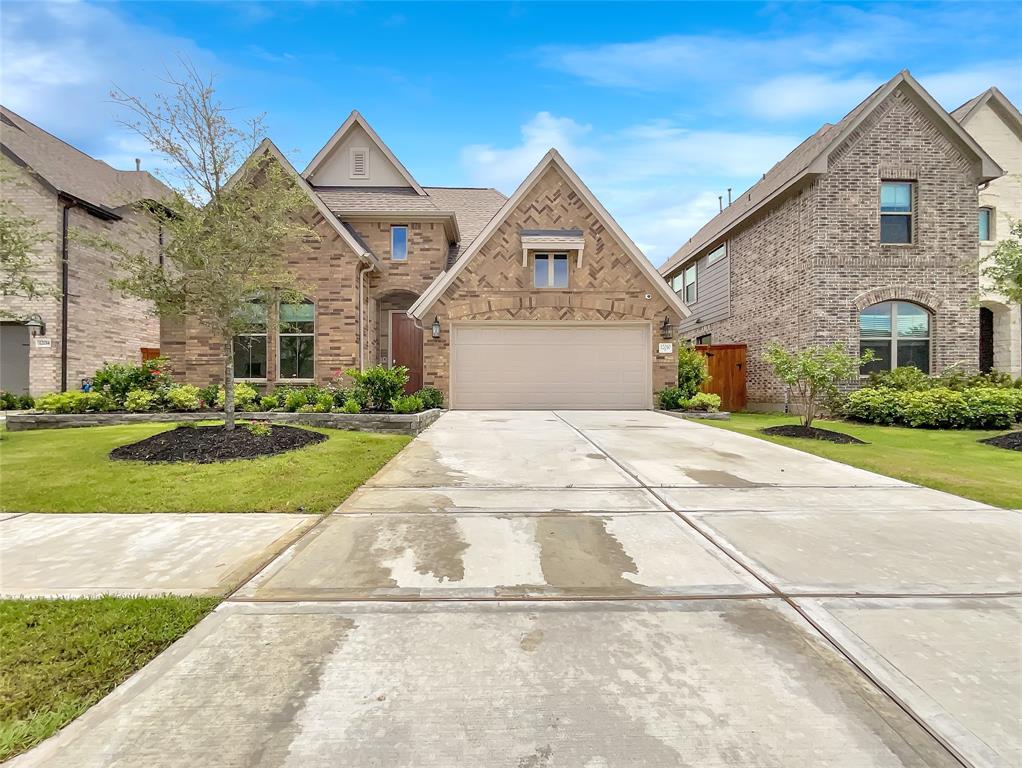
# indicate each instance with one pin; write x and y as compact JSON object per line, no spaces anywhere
{"x":20,"y":236}
{"x":812,"y":374}
{"x":225,"y":238}
{"x":1003,"y":265}
{"x":692,"y":369}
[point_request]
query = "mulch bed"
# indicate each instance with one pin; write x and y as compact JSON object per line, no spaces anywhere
{"x":797,"y":430}
{"x":1011,"y":441}
{"x":205,"y":445}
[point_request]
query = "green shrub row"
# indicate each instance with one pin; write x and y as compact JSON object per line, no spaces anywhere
{"x":982,"y":407}
{"x":910,"y":379}
{"x":12,"y":402}
{"x":679,"y":399}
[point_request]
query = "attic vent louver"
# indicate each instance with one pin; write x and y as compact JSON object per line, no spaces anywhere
{"x":360,"y":163}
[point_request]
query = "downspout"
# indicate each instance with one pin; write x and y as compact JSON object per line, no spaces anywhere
{"x":64,"y":291}
{"x":367,"y":267}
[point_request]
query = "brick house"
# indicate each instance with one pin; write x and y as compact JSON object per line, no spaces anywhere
{"x":535,"y":301}
{"x":53,"y":342}
{"x":865,"y":234}
{"x":993,"y":121}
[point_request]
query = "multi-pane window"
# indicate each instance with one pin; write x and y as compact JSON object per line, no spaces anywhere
{"x":986,"y":223}
{"x":689,"y":285}
{"x":896,"y":212}
{"x":296,"y":340}
{"x":550,"y":270}
{"x":399,"y":243}
{"x":250,"y":344}
{"x":898,"y":333}
{"x":716,"y":254}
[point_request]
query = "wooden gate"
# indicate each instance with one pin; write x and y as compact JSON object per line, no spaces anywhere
{"x":727,"y":374}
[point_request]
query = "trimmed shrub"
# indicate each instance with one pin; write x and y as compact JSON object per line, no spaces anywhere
{"x":938,"y":407}
{"x":75,"y":402}
{"x":116,"y":380}
{"x":182,"y":397}
{"x":431,"y":397}
{"x":692,"y":369}
{"x":351,"y":406}
{"x":376,"y":387}
{"x":296,"y":399}
{"x":406,"y":404}
{"x":246,"y":397}
{"x":908,"y":378}
{"x":141,"y":401}
{"x":877,"y":406}
{"x":671,"y":398}
{"x":268,"y":402}
{"x":12,"y":402}
{"x":702,"y":401}
{"x":324,"y":402}
{"x":208,"y":395}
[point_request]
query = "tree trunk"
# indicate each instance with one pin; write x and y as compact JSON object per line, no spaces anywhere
{"x":229,"y":385}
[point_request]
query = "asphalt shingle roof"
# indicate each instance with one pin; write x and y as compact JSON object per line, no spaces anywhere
{"x":72,"y":171}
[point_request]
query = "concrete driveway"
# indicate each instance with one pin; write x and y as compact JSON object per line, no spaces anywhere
{"x":593,"y":589}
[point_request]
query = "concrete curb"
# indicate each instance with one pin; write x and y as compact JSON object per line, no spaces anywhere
{"x":698,"y":415}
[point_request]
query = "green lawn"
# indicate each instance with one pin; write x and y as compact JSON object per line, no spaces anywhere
{"x":62,"y":656}
{"x":948,"y":460}
{"x":69,"y":470}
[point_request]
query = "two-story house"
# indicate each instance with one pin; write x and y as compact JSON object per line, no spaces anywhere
{"x":865,"y":234}
{"x":993,"y":121}
{"x":79,"y":322}
{"x":539,"y":300}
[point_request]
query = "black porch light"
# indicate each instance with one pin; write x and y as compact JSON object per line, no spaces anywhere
{"x":436,"y":327}
{"x":666,"y":329}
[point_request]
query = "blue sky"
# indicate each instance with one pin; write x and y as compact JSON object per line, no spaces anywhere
{"x":660,"y":107}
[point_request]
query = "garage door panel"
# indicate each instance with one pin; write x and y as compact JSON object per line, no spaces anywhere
{"x":558,"y":366}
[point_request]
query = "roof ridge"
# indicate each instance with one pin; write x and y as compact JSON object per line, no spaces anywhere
{"x":55,"y":137}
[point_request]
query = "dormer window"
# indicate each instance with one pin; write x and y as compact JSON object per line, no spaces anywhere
{"x":359,"y":163}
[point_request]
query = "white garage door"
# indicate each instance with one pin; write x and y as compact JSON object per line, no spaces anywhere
{"x":550,"y":366}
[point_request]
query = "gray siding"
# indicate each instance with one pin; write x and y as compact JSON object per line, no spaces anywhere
{"x":713,"y":296}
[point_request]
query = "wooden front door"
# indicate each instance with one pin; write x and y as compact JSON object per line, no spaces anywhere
{"x":406,"y":348}
{"x":727,"y":374}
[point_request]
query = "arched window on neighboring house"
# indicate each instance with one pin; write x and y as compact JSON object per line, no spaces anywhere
{"x":898,"y":333}
{"x":296,"y":341}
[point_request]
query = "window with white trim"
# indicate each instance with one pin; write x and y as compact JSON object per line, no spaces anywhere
{"x":399,"y":243}
{"x":296,"y":340}
{"x":249,"y":346}
{"x":716,"y":254}
{"x":898,"y":333}
{"x":986,"y":223}
{"x":359,"y":163}
{"x":896,"y":208}
{"x":689,"y":285}
{"x":550,"y":270}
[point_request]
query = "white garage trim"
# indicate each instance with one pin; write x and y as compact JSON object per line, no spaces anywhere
{"x":531,"y":361}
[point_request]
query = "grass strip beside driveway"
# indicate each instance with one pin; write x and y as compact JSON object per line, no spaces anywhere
{"x":947,"y":460}
{"x":69,"y":470}
{"x":62,"y":656}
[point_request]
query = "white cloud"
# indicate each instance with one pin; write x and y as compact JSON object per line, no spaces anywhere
{"x":794,"y":96}
{"x":954,"y":88}
{"x":660,"y":180}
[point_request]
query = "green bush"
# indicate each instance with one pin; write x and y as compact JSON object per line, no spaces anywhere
{"x":672,"y":398}
{"x":376,"y":387}
{"x":351,"y":406}
{"x":208,"y":395}
{"x":406,"y":404}
{"x":938,"y":407}
{"x":324,"y":402}
{"x":246,"y":397}
{"x":75,"y":402}
{"x":342,"y":395}
{"x":258,"y":428}
{"x":702,"y":401}
{"x":693,"y":371}
{"x":12,"y":402}
{"x":141,"y":401}
{"x":908,"y":378}
{"x":268,"y":402}
{"x":431,"y":397}
{"x":295,"y":399}
{"x":877,"y":406}
{"x":116,"y":380}
{"x":182,"y":397}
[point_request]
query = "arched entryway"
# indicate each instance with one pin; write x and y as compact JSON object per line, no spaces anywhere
{"x":1000,"y":330}
{"x":399,"y":337}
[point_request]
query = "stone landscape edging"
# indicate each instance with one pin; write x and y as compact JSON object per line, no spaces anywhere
{"x":396,"y":423}
{"x":699,"y":415}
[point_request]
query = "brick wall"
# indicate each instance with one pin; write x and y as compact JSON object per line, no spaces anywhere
{"x":495,"y":285}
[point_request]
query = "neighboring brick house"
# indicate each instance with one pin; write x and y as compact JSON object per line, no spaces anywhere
{"x":53,"y":342}
{"x":866,"y":234}
{"x":993,"y":121}
{"x":535,"y":301}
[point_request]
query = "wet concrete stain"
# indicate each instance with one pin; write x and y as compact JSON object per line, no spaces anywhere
{"x":718,"y":478}
{"x":438,"y":546}
{"x":531,"y":640}
{"x":579,"y":553}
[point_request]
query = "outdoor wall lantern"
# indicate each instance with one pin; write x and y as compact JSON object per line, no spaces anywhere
{"x":667,"y":330}
{"x":436,"y":327}
{"x":35,"y":322}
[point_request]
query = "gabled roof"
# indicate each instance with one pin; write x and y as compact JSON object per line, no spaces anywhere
{"x":268,"y":147}
{"x":810,"y":159}
{"x":355,"y":118}
{"x":991,"y":95}
{"x":551,"y":159}
{"x":71,"y":171}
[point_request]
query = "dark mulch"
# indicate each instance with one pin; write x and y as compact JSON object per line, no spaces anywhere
{"x":205,"y":445}
{"x":814,"y":433}
{"x":1011,"y":441}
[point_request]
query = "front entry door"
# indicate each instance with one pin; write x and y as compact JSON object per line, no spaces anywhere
{"x":406,"y":348}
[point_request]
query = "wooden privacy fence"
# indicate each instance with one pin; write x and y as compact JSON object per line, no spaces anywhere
{"x":727,"y":374}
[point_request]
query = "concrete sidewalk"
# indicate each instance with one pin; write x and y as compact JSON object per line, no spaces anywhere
{"x":599,"y":589}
